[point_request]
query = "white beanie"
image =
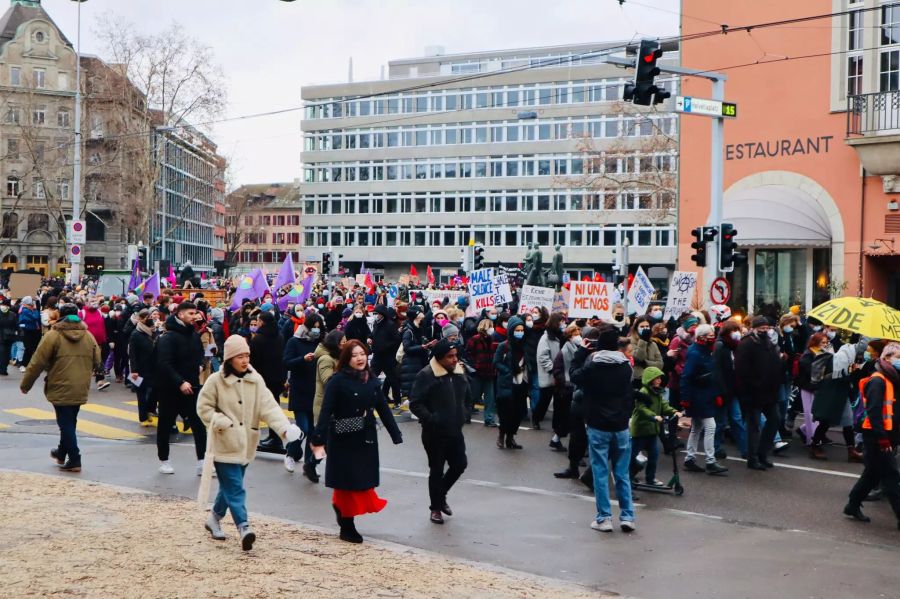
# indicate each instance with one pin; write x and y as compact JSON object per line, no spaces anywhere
{"x":235,"y":346}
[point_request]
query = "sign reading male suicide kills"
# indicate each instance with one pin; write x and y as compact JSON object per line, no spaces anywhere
{"x":681,"y":292}
{"x":588,"y":299}
{"x":481,"y":288}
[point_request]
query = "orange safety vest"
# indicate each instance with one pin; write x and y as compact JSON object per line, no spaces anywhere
{"x":887,"y":410}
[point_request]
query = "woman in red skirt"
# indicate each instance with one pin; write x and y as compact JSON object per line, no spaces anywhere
{"x":347,"y":428}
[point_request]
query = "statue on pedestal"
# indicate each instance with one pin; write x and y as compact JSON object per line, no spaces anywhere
{"x":535,"y":274}
{"x":555,"y":278}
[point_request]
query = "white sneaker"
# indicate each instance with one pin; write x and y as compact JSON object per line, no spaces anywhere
{"x":102,"y":385}
{"x":627,"y":525}
{"x":604,"y":525}
{"x":166,"y":468}
{"x":289,"y":464}
{"x":200,"y":469}
{"x":21,"y":369}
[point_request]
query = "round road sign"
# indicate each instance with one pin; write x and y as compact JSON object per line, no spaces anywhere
{"x":76,"y":249}
{"x":77,"y":226}
{"x":720,"y":291}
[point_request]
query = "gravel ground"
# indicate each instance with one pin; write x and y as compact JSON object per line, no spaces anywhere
{"x":61,"y":537}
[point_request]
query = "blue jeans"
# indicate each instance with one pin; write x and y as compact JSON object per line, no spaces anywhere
{"x":483,"y":386}
{"x":603,"y":447}
{"x":731,"y":415}
{"x":295,"y":449}
{"x":649,"y":444}
{"x":67,"y":420}
{"x":535,"y":392}
{"x":231,"y":495}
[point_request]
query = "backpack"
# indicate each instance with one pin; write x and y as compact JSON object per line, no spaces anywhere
{"x":821,"y":369}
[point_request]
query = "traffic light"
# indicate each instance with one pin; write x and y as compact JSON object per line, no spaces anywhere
{"x":478,"y":259}
{"x":143,"y":258}
{"x":643,"y":91}
{"x":728,"y":254}
{"x":464,"y":262}
{"x":327,"y":263}
{"x":702,"y":236}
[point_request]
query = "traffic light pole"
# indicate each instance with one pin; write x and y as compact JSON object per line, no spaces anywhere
{"x":717,"y":154}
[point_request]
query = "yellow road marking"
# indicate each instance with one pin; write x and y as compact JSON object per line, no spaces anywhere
{"x":3,"y":425}
{"x":86,"y":426}
{"x":154,"y":422}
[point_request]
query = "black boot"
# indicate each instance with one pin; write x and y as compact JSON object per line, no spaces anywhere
{"x":349,"y":532}
{"x":501,"y":440}
{"x":855,"y":512}
{"x":511,"y":442}
{"x":567,"y":473}
{"x":337,"y":514}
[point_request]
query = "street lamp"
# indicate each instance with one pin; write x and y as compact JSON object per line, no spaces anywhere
{"x":75,"y":270}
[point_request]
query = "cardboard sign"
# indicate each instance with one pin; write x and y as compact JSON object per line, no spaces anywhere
{"x":589,"y":299}
{"x":502,"y":291}
{"x":561,"y":301}
{"x":532,"y":296}
{"x":640,"y":293}
{"x":681,"y":292}
{"x":481,"y":288}
{"x":403,"y":280}
{"x":22,"y":284}
{"x":361,"y":280}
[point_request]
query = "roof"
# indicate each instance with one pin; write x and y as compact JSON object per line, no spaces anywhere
{"x":19,"y":14}
{"x":270,"y":195}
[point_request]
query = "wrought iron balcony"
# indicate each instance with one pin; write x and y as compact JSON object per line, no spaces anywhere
{"x":874,"y":114}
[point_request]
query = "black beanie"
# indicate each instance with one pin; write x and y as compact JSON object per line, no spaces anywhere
{"x":442,"y":348}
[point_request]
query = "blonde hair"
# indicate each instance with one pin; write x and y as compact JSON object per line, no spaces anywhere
{"x":484,"y":325}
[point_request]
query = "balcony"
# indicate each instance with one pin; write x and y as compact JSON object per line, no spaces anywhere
{"x":873,"y":130}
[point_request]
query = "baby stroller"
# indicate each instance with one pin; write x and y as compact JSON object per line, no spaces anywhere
{"x":669,"y":437}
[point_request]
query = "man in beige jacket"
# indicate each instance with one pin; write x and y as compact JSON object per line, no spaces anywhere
{"x":231,"y":404}
{"x":70,"y":355}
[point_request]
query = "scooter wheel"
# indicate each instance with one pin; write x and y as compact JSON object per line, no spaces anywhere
{"x":679,"y":490}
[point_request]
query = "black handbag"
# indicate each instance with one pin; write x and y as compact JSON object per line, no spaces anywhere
{"x":353,"y":424}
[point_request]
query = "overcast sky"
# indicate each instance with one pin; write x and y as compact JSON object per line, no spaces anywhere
{"x":272,"y":49}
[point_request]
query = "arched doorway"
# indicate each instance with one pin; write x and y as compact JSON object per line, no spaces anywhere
{"x":10,"y":261}
{"x":793,"y":235}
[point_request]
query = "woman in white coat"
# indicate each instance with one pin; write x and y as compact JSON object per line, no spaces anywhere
{"x":231,"y":404}
{"x":547,"y":349}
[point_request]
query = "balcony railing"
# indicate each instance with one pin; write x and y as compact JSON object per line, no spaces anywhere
{"x":874,"y":114}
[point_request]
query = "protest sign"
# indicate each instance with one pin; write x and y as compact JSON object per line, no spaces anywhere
{"x":403,"y":280}
{"x":640,"y":293}
{"x":481,"y":288}
{"x":439,"y":295}
{"x":589,"y":299}
{"x":681,"y":292}
{"x":561,"y":301}
{"x":502,"y":291}
{"x":361,"y":280}
{"x":532,"y":296}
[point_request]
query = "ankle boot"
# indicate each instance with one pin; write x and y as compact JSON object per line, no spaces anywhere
{"x":511,"y":442}
{"x":854,"y":455}
{"x":816,"y":452}
{"x":349,"y":532}
{"x":501,"y":441}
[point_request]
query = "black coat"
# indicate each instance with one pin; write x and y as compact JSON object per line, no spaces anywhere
{"x":266,"y":357}
{"x":140,"y":355}
{"x":179,"y":354}
{"x":723,"y":370}
{"x":333,"y":318}
{"x":385,"y":343}
{"x":303,"y":373}
{"x":9,"y":327}
{"x":759,"y":370}
{"x":358,"y":328}
{"x":415,"y":357}
{"x":439,"y":399}
{"x":607,"y":397}
{"x":352,"y":463}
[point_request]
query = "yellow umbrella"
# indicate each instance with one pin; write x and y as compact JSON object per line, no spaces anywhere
{"x":862,"y":315}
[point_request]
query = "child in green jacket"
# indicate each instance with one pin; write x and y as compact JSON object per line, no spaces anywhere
{"x":650,"y":408}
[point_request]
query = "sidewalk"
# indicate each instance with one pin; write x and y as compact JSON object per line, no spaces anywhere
{"x":68,"y":537}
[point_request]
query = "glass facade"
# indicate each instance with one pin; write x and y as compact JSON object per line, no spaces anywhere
{"x":780,"y":280}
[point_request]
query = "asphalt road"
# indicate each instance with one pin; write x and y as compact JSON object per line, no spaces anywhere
{"x":750,"y":534}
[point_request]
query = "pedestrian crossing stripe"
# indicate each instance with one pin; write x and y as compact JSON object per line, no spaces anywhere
{"x":85,"y":426}
{"x":3,"y":425}
{"x":128,"y":415}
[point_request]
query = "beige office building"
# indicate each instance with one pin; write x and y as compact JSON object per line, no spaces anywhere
{"x":501,"y":147}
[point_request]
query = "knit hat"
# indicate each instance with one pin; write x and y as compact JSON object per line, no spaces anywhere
{"x":27,"y":301}
{"x":347,"y":312}
{"x":381,"y":309}
{"x":795,"y":310}
{"x":705,"y":330}
{"x":650,"y":373}
{"x":759,"y":321}
{"x":689,"y":322}
{"x":235,"y":346}
{"x":442,"y":348}
{"x":267,"y":307}
{"x":449,"y":330}
{"x":412,"y":312}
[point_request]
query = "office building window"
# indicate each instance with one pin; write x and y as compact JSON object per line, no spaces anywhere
{"x":889,"y":71}
{"x":15,"y":75}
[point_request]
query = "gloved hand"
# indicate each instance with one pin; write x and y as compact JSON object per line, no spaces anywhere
{"x":885,"y":445}
{"x":293,"y":433}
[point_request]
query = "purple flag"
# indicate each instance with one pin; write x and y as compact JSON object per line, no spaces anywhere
{"x":151,"y":285}
{"x":298,"y":293}
{"x":285,"y":275}
{"x":251,"y":286}
{"x":362,"y":269}
{"x":135,"y":279}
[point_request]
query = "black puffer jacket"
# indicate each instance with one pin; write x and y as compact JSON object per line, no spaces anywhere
{"x":303,"y":373}
{"x":415,"y":357}
{"x":179,"y":354}
{"x":358,"y":328}
{"x":266,"y":357}
{"x":385,"y":340}
{"x":439,"y":399}
{"x":604,"y":378}
{"x":140,"y":355}
{"x":9,"y":326}
{"x":759,"y":370}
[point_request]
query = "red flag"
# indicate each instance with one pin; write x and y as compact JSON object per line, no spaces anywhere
{"x":370,"y":285}
{"x":630,"y":281}
{"x":430,"y":275}
{"x":412,"y":271}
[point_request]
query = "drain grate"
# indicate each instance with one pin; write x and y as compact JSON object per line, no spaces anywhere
{"x":42,"y":422}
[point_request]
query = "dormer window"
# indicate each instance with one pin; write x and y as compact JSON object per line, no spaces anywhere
{"x":40,"y":37}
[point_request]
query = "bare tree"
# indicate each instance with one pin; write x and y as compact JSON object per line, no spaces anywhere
{"x":154,"y":84}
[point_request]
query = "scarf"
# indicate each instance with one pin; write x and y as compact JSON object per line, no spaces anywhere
{"x":144,"y":329}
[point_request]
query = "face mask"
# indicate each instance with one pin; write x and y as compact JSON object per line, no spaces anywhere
{"x":519,"y":334}
{"x":442,"y":321}
{"x":314,"y":333}
{"x":576,"y":340}
{"x":529,"y":324}
{"x":707,"y":341}
{"x":736,"y":335}
{"x":562,"y":328}
{"x":254,"y":329}
{"x":656,"y":315}
{"x":773,"y":335}
{"x":896,"y":364}
{"x":619,"y":317}
{"x":358,"y":315}
{"x":535,"y":316}
{"x":817,"y":328}
{"x":644,"y":333}
{"x":831,"y":334}
{"x":489,"y":332}
{"x":4,"y":309}
{"x":492,"y":317}
{"x":320,"y":306}
{"x":788,"y":330}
